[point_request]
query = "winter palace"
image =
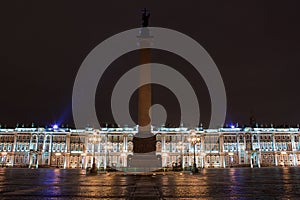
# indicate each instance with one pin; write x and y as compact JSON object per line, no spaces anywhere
{"x":114,"y":147}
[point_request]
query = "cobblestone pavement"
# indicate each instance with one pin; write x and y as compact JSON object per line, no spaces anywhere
{"x":234,"y":183}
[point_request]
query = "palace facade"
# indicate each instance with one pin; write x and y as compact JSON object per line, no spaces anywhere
{"x":113,"y":147}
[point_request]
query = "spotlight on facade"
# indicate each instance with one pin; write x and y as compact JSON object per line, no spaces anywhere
{"x":55,"y":126}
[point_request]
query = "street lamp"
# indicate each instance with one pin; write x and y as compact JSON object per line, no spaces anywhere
{"x":194,"y":139}
{"x":94,"y":139}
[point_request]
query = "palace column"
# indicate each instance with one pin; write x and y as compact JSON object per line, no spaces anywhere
{"x":14,"y":149}
{"x":222,"y":161}
{"x":203,"y":150}
{"x":67,"y":151}
{"x":125,"y":143}
{"x":258,"y":158}
{"x":293,"y":149}
{"x":50,"y":150}
{"x":274,"y":149}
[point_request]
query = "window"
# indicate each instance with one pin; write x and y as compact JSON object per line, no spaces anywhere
{"x":158,"y":137}
{"x":54,"y":147}
{"x":130,"y":137}
{"x":8,"y":147}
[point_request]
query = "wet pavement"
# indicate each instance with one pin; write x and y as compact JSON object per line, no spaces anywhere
{"x":234,"y":183}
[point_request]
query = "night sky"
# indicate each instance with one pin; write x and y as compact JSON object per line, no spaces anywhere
{"x":255,"y":45}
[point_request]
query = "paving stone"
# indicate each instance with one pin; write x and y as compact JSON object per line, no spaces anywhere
{"x":234,"y":183}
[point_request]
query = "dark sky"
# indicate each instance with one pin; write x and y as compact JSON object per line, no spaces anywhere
{"x":255,"y":45}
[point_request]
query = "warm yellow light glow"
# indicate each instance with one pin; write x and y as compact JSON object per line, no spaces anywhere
{"x":94,"y":139}
{"x":194,"y":138}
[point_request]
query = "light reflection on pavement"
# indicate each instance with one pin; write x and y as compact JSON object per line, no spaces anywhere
{"x":234,"y":183}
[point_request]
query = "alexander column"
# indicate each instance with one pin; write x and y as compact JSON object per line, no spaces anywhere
{"x":144,"y":141}
{"x":144,"y":98}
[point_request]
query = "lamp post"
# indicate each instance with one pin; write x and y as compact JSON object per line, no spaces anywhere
{"x":108,"y":148}
{"x":30,"y":158}
{"x":194,"y":139}
{"x":180,"y":147}
{"x":38,"y":155}
{"x":94,"y":139}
